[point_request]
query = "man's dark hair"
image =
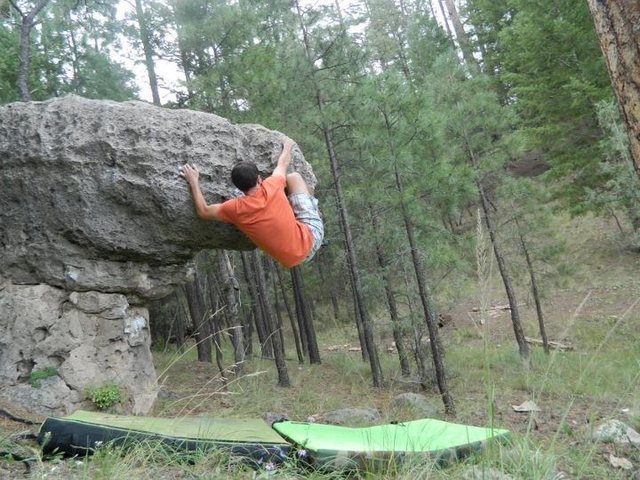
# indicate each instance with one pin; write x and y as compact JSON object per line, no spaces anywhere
{"x":244,"y":176}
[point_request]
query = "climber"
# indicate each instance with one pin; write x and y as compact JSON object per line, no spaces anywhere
{"x":286,"y":226}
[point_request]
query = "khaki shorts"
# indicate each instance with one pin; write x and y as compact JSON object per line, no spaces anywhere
{"x":305,"y":208}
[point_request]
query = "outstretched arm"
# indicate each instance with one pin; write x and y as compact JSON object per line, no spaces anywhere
{"x":285,"y":158}
{"x":204,"y":211}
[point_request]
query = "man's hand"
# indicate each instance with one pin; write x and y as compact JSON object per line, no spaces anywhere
{"x":207,"y":212}
{"x":285,"y":157}
{"x":190,"y":173}
{"x":287,"y":144}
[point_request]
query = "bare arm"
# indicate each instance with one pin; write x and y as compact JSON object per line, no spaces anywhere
{"x":203,"y":210}
{"x":285,"y":158}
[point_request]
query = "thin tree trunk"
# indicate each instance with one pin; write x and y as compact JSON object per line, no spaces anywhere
{"x":506,"y":278}
{"x":398,"y":331}
{"x":332,"y":291}
{"x":215,"y":321}
{"x":24,"y":54}
{"x":258,"y":315}
{"x":145,"y":37}
{"x":195,"y":302}
{"x":278,"y":280}
{"x":445,"y":19}
{"x":437,"y":352}
{"x":179,"y":325}
{"x":461,"y":35}
{"x":272,"y":331}
{"x":307,"y":317}
{"x":616,"y":24}
{"x":367,"y":340}
{"x":231,"y":291}
{"x":534,"y":290}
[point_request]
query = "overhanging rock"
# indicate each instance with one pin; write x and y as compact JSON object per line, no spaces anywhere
{"x":91,"y":197}
{"x":94,"y":221}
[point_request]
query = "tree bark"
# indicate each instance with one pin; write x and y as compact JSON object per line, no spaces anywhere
{"x":277,"y":282}
{"x":231,"y":290}
{"x":215,"y":323}
{"x":506,"y":278}
{"x":272,"y":331}
{"x":195,"y":302}
{"x":437,"y":352}
{"x":616,"y":24}
{"x":461,"y":35}
{"x":534,"y":291}
{"x":332,"y":290}
{"x":26,"y":25}
{"x":145,"y":38}
{"x":258,"y":315}
{"x":398,"y":331}
{"x":307,"y":317}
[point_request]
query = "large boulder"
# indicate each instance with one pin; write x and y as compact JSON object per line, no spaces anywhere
{"x":91,"y":197}
{"x":94,"y":221}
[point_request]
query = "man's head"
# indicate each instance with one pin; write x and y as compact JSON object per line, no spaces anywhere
{"x":245,"y":176}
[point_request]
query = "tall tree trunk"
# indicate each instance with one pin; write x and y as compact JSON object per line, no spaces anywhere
{"x":26,"y":25}
{"x":266,"y":347}
{"x":437,"y":352}
{"x":445,"y":19}
{"x":616,"y":23}
{"x":279,"y":281}
{"x":398,"y":331}
{"x":179,"y":325}
{"x":145,"y":37}
{"x":307,"y":317}
{"x":184,"y":56}
{"x":367,"y":340}
{"x":461,"y":35}
{"x":534,"y":291}
{"x":231,"y":290}
{"x":202,"y":331}
{"x":215,"y":322}
{"x":506,"y":277}
{"x":272,"y":331}
{"x":332,"y":289}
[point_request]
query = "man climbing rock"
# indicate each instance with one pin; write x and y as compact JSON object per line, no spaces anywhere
{"x":285,"y":225}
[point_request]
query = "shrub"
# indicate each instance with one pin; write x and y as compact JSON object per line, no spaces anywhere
{"x":104,"y":397}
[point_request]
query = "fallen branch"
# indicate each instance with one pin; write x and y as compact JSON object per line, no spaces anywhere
{"x":552,"y":344}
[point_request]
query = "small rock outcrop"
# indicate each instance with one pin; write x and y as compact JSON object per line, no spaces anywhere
{"x":95,"y":221}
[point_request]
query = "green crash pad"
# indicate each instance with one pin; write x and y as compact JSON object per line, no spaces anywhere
{"x":332,"y":446}
{"x":83,"y":431}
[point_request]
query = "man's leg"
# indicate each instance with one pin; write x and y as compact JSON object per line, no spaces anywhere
{"x":296,"y":184}
{"x":305,"y":208}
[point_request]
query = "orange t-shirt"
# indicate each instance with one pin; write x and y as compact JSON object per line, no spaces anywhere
{"x":266,"y":217}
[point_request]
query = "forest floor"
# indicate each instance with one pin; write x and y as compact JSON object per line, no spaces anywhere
{"x":595,"y":312}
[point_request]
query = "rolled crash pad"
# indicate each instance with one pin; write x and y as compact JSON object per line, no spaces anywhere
{"x":82,"y":432}
{"x":336,"y":447}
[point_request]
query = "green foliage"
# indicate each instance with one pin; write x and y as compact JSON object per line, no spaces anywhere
{"x":8,"y":63}
{"x":546,"y":61}
{"x":37,"y":375}
{"x":105,"y":396}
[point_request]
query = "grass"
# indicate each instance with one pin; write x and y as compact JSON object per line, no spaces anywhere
{"x":575,"y":390}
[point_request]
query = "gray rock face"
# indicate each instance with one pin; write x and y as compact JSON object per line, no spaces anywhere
{"x":91,"y":197}
{"x":91,"y":339}
{"x":94,"y":221}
